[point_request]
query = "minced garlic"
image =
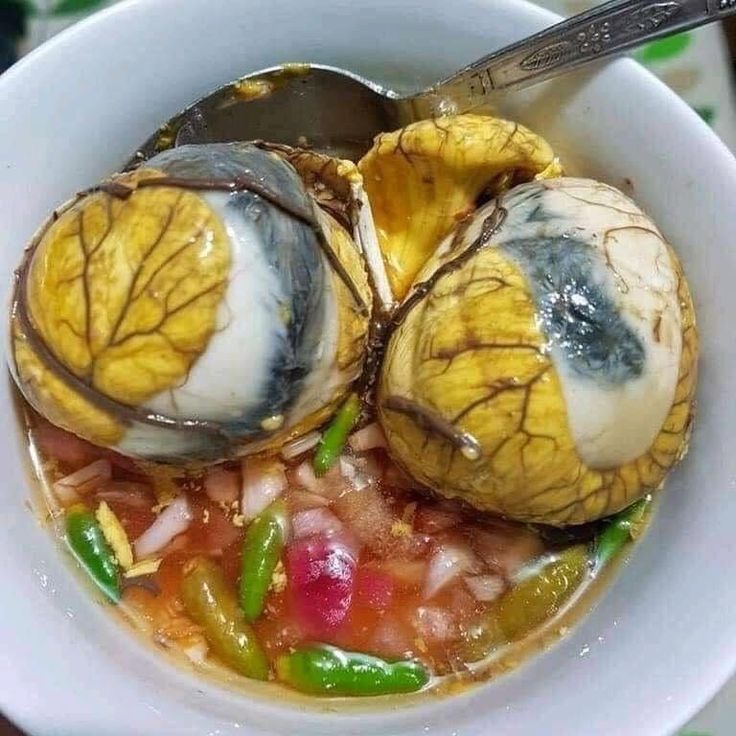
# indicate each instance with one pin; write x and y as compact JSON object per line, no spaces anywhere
{"x":115,"y":535}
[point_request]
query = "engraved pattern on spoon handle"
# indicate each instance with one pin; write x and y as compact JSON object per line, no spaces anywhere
{"x":608,"y":29}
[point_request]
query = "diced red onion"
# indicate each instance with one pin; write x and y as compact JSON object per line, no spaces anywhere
{"x":435,"y":624}
{"x":448,"y":562}
{"x":65,"y":446}
{"x":485,"y":588}
{"x":83,"y":481}
{"x":263,"y":482}
{"x":369,"y":437}
{"x":172,"y":521}
{"x":300,"y":445}
{"x":321,"y":573}
{"x":315,"y":521}
{"x":222,"y":486}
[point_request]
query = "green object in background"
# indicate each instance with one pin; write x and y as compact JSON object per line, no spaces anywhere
{"x":327,"y":670}
{"x":88,"y":544}
{"x":664,"y":48}
{"x":707,"y":113}
{"x":264,"y":542}
{"x":71,"y":7}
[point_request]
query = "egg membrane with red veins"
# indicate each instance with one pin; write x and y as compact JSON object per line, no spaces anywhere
{"x":212,"y":303}
{"x":543,"y":364}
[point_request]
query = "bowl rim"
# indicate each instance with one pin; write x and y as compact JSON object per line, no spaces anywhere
{"x":720,"y":669}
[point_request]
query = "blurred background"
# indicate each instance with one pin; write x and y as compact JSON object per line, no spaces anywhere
{"x":698,"y":65}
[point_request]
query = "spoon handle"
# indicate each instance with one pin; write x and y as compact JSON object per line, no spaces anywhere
{"x":605,"y":30}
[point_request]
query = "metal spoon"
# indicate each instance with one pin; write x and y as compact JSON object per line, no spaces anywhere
{"x":340,"y":112}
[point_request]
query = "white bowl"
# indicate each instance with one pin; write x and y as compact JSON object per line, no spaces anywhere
{"x":661,"y":641}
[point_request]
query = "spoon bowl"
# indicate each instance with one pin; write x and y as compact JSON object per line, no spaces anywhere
{"x":339,"y":112}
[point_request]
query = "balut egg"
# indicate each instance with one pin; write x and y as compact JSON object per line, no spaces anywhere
{"x":201,"y":307}
{"x":543,"y":364}
{"x":423,"y":179}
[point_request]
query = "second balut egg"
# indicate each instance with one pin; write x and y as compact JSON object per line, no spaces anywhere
{"x":543,"y":365}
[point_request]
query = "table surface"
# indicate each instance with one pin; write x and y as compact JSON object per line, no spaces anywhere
{"x":697,"y":65}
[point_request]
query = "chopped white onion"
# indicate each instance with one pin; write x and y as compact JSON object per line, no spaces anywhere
{"x":303,"y":500}
{"x":449,"y":561}
{"x":315,"y":521}
{"x":197,"y":652}
{"x":222,"y":486}
{"x":369,"y":437}
{"x":485,"y":588}
{"x":354,"y":473}
{"x":171,"y":522}
{"x":332,"y":485}
{"x":300,"y":445}
{"x":263,"y":482}
{"x":83,"y":481}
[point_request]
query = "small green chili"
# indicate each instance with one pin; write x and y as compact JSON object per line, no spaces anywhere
{"x":262,"y":548}
{"x":210,"y":603}
{"x":88,"y":544}
{"x":622,"y":527}
{"x":335,"y":436}
{"x":327,"y":670}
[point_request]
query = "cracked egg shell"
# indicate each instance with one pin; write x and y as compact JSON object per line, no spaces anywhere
{"x":544,"y":364}
{"x":424,"y":178}
{"x":198,"y":308}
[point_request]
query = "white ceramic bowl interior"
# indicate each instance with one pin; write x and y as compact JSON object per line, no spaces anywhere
{"x":663,"y":638}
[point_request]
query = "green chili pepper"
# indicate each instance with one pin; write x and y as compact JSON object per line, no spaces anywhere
{"x":529,"y":603}
{"x":623,"y":527}
{"x":327,"y":670}
{"x":88,"y":544}
{"x":211,"y":604}
{"x":335,"y":436}
{"x":262,"y":548}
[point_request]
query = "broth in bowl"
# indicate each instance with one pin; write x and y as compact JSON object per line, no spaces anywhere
{"x":358,"y":429}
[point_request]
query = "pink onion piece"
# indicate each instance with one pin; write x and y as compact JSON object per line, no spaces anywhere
{"x":172,"y":521}
{"x":331,"y":485}
{"x":321,"y":572}
{"x":315,"y":521}
{"x":370,"y":437}
{"x":222,"y":486}
{"x":83,"y":481}
{"x":448,"y":562}
{"x":485,"y":588}
{"x":263,"y":482}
